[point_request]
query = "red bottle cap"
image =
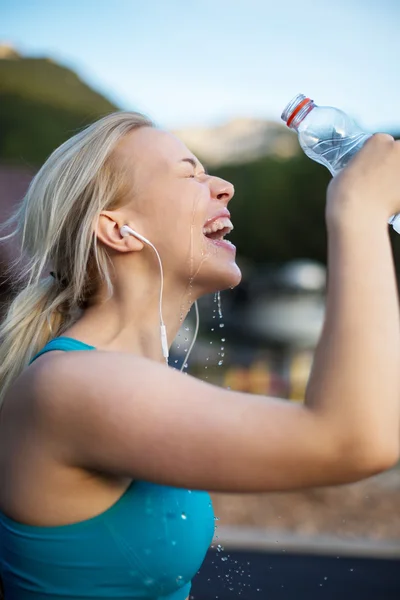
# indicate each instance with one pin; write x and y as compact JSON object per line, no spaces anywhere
{"x":297,"y":110}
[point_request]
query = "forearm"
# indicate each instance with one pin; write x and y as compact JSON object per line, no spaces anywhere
{"x":354,"y":387}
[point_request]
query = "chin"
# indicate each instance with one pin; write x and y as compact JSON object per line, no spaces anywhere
{"x":223,"y":278}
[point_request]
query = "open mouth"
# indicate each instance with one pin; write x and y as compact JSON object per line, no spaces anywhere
{"x":217,"y":230}
{"x":218,"y":235}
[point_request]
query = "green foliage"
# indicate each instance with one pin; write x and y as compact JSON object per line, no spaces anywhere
{"x":278,"y":208}
{"x":43,"y":81}
{"x":42,"y":105}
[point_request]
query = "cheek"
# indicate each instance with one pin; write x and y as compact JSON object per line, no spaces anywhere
{"x":178,"y":221}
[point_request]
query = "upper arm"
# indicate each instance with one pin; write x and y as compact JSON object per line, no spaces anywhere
{"x":127,"y":415}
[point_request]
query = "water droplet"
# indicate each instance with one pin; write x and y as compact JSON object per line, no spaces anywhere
{"x":149,"y":581}
{"x":212,"y":329}
{"x":220,"y":362}
{"x":186,"y":339}
{"x":325,"y":578}
{"x":224,"y":558}
{"x":351,"y":569}
{"x":222,"y":339}
{"x":187,"y":329}
{"x":216,"y":519}
{"x":176,"y":361}
{"x":180,"y":580}
{"x":189,"y":491}
{"x":183,"y":516}
{"x":210,"y":342}
{"x":173,"y":542}
{"x":178,"y":346}
{"x":221,"y":325}
{"x":219,"y":305}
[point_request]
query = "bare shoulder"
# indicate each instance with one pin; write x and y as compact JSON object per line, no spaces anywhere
{"x":129,"y":416}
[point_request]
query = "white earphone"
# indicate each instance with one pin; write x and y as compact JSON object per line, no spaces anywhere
{"x":125,"y":230}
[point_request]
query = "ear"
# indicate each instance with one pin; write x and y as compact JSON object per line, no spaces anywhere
{"x":107,"y":231}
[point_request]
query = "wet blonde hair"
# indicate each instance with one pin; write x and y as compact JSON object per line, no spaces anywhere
{"x":56,"y":222}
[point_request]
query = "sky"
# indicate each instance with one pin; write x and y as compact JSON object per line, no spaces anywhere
{"x":205,"y":62}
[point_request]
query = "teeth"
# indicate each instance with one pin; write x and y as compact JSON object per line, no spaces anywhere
{"x":217,"y":225}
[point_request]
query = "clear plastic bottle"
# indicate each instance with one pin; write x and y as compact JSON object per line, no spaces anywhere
{"x":327,"y":135}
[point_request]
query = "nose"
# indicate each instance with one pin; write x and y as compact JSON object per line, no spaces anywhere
{"x":221,"y":189}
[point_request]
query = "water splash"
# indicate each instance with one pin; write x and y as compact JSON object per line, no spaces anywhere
{"x":218,"y":295}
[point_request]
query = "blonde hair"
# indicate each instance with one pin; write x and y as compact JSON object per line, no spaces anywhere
{"x":56,"y":221}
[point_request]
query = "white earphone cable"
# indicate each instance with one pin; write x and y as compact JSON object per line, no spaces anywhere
{"x":164,"y":341}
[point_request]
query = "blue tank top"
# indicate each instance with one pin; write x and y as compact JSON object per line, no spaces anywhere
{"x":148,"y":545}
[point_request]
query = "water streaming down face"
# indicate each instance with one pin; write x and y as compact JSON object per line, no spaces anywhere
{"x":188,"y":302}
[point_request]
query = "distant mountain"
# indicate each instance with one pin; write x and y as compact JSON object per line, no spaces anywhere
{"x":240,"y":141}
{"x":42,"y":104}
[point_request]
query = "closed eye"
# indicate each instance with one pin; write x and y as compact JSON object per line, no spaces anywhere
{"x":194,"y":175}
{"x":195,"y":165}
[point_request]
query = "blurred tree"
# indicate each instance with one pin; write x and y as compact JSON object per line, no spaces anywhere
{"x":42,"y":104}
{"x":278,"y":208}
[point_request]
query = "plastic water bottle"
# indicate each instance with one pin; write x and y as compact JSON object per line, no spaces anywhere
{"x":327,"y":135}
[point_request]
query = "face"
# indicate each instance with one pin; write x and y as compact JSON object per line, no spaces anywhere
{"x":174,"y":204}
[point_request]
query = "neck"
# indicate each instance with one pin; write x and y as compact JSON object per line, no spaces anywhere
{"x":130,"y":320}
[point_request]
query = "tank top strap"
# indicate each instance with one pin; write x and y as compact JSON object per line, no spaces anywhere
{"x":64,"y":343}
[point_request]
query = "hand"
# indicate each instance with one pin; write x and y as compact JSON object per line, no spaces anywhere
{"x":369,"y":186}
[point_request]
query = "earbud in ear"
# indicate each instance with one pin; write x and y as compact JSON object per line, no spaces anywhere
{"x":125,"y":230}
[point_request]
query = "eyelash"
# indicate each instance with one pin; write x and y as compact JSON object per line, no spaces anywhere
{"x":193,"y":175}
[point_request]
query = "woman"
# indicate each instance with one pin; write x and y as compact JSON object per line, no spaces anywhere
{"x":106,"y":454}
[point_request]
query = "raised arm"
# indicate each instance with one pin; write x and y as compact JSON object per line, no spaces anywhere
{"x":123,"y":414}
{"x":355,"y":382}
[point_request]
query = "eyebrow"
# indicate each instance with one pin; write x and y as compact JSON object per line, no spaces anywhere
{"x":194,"y":163}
